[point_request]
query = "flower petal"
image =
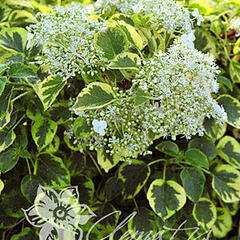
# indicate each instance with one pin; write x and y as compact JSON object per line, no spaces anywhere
{"x":47,"y":200}
{"x":33,"y":217}
{"x":48,"y":232}
{"x":85,"y":214}
{"x":69,"y":192}
{"x":103,"y":124}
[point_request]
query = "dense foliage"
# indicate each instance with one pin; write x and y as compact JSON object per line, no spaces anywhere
{"x":135,"y":102}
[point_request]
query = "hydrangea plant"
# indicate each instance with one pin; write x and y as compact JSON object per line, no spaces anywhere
{"x":174,"y":79}
{"x":134,"y":102}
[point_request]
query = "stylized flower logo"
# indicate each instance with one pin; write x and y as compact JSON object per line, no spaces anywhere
{"x":58,"y":214}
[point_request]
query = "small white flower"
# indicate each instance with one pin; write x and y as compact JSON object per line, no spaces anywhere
{"x":137,"y":8}
{"x":188,"y":39}
{"x":99,"y":126}
{"x":198,"y":16}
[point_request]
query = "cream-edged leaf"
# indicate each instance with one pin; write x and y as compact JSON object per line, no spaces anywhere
{"x":95,"y":95}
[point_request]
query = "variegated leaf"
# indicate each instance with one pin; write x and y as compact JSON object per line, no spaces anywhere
{"x":5,"y":98}
{"x":111,"y":42}
{"x":205,"y":213}
{"x":134,"y":177}
{"x":193,"y":180}
{"x":232,"y":107}
{"x":226,"y":182}
{"x":126,"y":61}
{"x":53,"y":170}
{"x":107,"y":161}
{"x":43,"y":132}
{"x":223,"y":223}
{"x":228,"y":149}
{"x":95,"y":95}
{"x":49,"y":89}
{"x":131,"y":33}
{"x":166,"y":197}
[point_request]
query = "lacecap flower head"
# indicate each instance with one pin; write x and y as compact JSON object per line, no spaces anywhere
{"x":67,"y":37}
{"x":168,"y":14}
{"x":182,"y":81}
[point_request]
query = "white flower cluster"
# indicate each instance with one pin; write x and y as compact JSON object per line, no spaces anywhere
{"x":235,"y":24}
{"x":182,"y":81}
{"x":164,"y":13}
{"x":67,"y":36}
{"x":122,"y":129}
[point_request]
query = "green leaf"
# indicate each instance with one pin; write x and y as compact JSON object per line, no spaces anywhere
{"x":141,"y":97}
{"x":8,"y":159}
{"x":131,"y":33}
{"x":105,"y":225}
{"x":204,"y":41}
{"x":72,"y":144}
{"x":85,"y":188}
{"x":205,"y":145}
{"x":196,"y":158}
{"x":213,"y":129}
{"x":134,"y":177}
{"x":111,"y":42}
{"x":193,"y":180}
{"x":216,"y":27}
{"x":166,"y":197}
{"x":107,"y":161}
{"x":49,"y":89}
{"x":205,"y":213}
{"x":234,"y":69}
{"x":6,"y":119}
{"x":35,"y":110}
{"x":26,"y":234}
{"x":3,"y":68}
{"x":13,"y":39}
{"x":121,"y":17}
{"x":223,"y":224}
{"x":140,"y":20}
{"x":204,"y":7}
{"x":225,"y":81}
{"x":53,"y":146}
{"x":6,"y":221}
{"x":143,"y":224}
{"x":60,"y":112}
{"x":226,"y":182}
{"x":114,"y":187}
{"x":5,"y":98}
{"x":22,"y":17}
{"x":232,"y":207}
{"x":53,"y":170}
{"x":43,"y":132}
{"x":229,"y":150}
{"x":76,"y":163}
{"x":95,"y":95}
{"x":29,"y":186}
{"x":7,"y":138}
{"x":20,"y":70}
{"x":81,"y":128}
{"x":3,"y":81}
{"x":127,"y":61}
{"x":236,"y":48}
{"x":1,"y":186}
{"x":232,"y":107}
{"x":169,"y":148}
{"x":21,"y":141}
